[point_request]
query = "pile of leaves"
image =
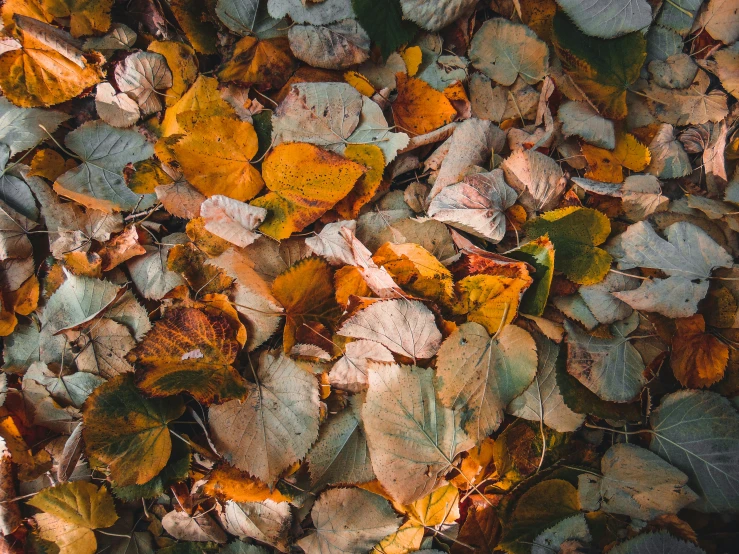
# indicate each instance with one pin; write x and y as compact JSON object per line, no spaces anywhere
{"x":348,"y":276}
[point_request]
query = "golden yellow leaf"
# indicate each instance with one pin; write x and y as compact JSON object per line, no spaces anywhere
{"x":8,"y":321}
{"x":25,"y":299}
{"x":441,"y":506}
{"x":406,"y":539}
{"x":29,"y":8}
{"x":228,"y":483}
{"x":87,"y":264}
{"x":419,"y":108}
{"x":68,"y":538}
{"x":359,"y":82}
{"x":371,"y":157}
{"x":209,"y":243}
{"x":607,"y":165}
{"x":266,"y":64}
{"x":349,"y":281}
{"x":39,"y":74}
{"x":183,"y":64}
{"x":306,"y":291}
{"x":86,"y":17}
{"x":203,"y":100}
{"x":415,"y":268}
{"x":490,"y":300}
{"x":49,"y":164}
{"x":698,"y":358}
{"x":412,"y":56}
{"x":189,"y":261}
{"x":220,"y":305}
{"x":215,"y":156}
{"x":306,"y":181}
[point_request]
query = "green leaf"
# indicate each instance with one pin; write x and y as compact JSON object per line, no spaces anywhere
{"x":128,"y":431}
{"x":384,"y":23}
{"x":603,"y":69}
{"x":698,"y":432}
{"x":78,"y":503}
{"x":540,"y":254}
{"x":576,"y":232}
{"x":98,"y":181}
{"x":20,"y":128}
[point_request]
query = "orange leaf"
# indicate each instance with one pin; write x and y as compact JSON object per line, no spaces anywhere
{"x":266,"y":64}
{"x":607,"y":165}
{"x":419,"y":108}
{"x":698,"y":359}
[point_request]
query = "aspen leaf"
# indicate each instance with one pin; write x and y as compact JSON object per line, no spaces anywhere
{"x":128,"y":431}
{"x":305,"y":181}
{"x":215,"y":158}
{"x":189,"y":351}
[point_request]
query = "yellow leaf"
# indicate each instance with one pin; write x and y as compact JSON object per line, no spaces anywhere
{"x":228,"y":483}
{"x":306,"y":181}
{"x":85,"y":17}
{"x":79,"y":503}
{"x":49,"y":164}
{"x":87,"y":264}
{"x":25,"y":299}
{"x":490,"y":300}
{"x":412,"y":57}
{"x":192,"y":15}
{"x":306,"y":291}
{"x":202,"y":99}
{"x":220,"y":305}
{"x":415,"y":268}
{"x":359,"y":82}
{"x":441,"y":506}
{"x":607,"y":165}
{"x":40,"y":75}
{"x":698,"y":358}
{"x":68,"y":537}
{"x":266,"y":64}
{"x":419,"y":108}
{"x":29,"y":8}
{"x":209,"y":243}
{"x":371,"y":157}
{"x":182,"y":63}
{"x":215,"y":157}
{"x":406,"y":539}
{"x":349,"y":281}
{"x":189,"y":261}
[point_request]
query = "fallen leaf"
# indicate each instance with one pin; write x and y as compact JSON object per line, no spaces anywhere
{"x":140,"y":76}
{"x":420,"y":109}
{"x":608,"y":166}
{"x":698,"y":359}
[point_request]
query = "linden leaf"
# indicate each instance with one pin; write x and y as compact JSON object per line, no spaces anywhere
{"x":140,"y":76}
{"x":349,"y":520}
{"x":98,"y":181}
{"x":607,"y":19}
{"x":436,"y":14}
{"x":48,"y":69}
{"x":578,"y":118}
{"x":266,"y":64}
{"x":536,"y":177}
{"x":491,"y":300}
{"x":503,"y":50}
{"x":232,"y":220}
{"x":478,"y":375}
{"x":413,"y":439}
{"x":656,"y":542}
{"x":267,"y":521}
{"x":476,"y":205}
{"x":406,"y":327}
{"x":275,"y":425}
{"x":129,"y":432}
{"x":608,"y":166}
{"x":420,"y":109}
{"x":335,"y":46}
{"x":603,"y":69}
{"x":306,"y":291}
{"x":202,"y":99}
{"x":610,"y":367}
{"x":116,"y":109}
{"x":636,"y":483}
{"x":305,"y":182}
{"x":78,"y":503}
{"x":215,"y":158}
{"x":189,"y":351}
{"x":20,"y":128}
{"x":413,"y":267}
{"x":698,"y":359}
{"x":702,"y":445}
{"x":576,"y":232}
